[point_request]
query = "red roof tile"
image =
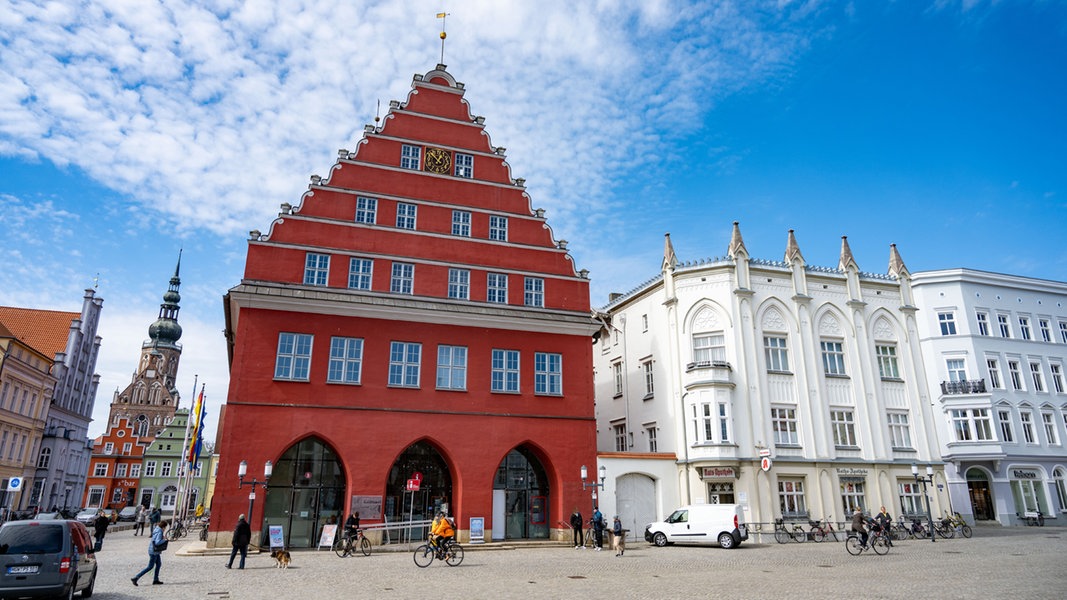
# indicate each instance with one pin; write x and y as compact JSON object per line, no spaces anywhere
{"x":46,"y":331}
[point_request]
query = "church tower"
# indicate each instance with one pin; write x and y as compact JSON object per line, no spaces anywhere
{"x":151,"y":398}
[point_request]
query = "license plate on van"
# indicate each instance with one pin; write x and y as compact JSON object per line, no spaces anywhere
{"x":22,"y":569}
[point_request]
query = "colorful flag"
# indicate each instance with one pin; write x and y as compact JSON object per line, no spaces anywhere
{"x":197,"y":437}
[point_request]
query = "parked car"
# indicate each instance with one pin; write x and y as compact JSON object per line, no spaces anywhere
{"x":87,"y":516}
{"x":722,"y":524}
{"x":128,"y":513}
{"x":45,"y":559}
{"x":47,"y":516}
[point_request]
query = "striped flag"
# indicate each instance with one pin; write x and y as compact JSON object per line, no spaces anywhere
{"x":196,"y":440}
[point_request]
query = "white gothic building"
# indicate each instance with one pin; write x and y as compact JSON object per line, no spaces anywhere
{"x":996,"y":348}
{"x":713,"y":365}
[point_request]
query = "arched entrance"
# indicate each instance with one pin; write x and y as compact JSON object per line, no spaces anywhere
{"x":307,"y":490}
{"x":979,"y":491}
{"x":520,"y":497}
{"x":424,"y":462}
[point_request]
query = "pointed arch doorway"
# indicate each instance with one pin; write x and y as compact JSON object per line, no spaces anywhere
{"x":520,"y":497}
{"x":306,"y":491}
{"x":423,"y":461}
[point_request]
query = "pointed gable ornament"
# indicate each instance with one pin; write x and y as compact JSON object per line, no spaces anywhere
{"x":792,"y":250}
{"x":670,"y":260}
{"x":896,"y":263}
{"x":737,"y":245}
{"x":847,"y":259}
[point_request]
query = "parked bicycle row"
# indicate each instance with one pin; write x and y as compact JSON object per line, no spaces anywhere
{"x":901,"y":529}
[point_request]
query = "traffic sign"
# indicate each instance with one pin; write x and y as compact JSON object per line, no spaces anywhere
{"x":765,"y":463}
{"x":13,"y":484}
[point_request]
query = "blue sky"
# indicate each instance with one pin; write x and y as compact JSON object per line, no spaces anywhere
{"x":129,"y":130}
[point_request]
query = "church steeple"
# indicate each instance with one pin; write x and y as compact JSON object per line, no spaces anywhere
{"x":166,"y":330}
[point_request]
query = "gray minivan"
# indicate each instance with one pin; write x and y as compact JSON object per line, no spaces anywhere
{"x":41,"y":559}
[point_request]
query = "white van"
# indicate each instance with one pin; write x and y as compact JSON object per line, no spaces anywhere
{"x":722,"y":524}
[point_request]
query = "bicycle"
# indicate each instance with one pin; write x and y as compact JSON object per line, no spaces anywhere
{"x":588,"y":535}
{"x":782,"y":535}
{"x":876,"y":541}
{"x":958,"y":524}
{"x":176,"y":530}
{"x":944,"y":528}
{"x":820,"y":530}
{"x":1033,"y":517}
{"x":203,"y":528}
{"x":345,"y":544}
{"x":451,"y":553}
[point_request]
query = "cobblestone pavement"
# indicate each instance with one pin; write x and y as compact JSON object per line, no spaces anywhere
{"x":1018,"y":563}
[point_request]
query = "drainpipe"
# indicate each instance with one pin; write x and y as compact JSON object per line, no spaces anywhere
{"x":685,"y":447}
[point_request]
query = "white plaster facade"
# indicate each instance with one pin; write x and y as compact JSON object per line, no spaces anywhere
{"x":704,"y":368}
{"x":996,"y":353}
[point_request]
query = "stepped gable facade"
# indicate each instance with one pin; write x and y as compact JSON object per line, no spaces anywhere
{"x":409,"y":338}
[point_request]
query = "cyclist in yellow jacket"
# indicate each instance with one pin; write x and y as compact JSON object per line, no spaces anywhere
{"x":442,"y":531}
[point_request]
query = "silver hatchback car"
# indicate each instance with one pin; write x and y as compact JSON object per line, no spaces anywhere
{"x":42,"y":559}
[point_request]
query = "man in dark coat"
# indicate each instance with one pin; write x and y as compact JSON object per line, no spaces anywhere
{"x":99,"y":529}
{"x":242,"y":536}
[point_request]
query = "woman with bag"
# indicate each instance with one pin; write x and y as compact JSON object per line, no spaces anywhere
{"x":156,"y":545}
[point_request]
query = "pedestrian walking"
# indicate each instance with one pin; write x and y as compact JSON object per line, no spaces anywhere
{"x":99,"y":529}
{"x":242,"y":536}
{"x":598,"y":528}
{"x":155,"y":516}
{"x":618,"y":535}
{"x":156,"y":544}
{"x":138,"y":521}
{"x":576,"y":527}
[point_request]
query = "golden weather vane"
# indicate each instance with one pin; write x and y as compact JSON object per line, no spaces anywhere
{"x":442,"y":16}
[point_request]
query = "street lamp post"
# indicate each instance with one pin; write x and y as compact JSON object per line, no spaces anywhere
{"x":929,"y":479}
{"x":242,"y":470}
{"x":66,"y":499}
{"x":603,"y":473}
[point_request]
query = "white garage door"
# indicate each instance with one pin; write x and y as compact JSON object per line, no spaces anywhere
{"x":635,"y":497}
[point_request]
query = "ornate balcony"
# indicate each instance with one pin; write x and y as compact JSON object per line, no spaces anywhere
{"x":953,"y":388}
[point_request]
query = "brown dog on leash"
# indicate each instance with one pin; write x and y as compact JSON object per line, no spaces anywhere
{"x":282,"y":558}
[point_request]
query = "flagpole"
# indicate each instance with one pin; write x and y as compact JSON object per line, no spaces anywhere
{"x":180,"y":509}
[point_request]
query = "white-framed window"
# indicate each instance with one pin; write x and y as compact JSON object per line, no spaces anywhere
{"x":1005,"y":326}
{"x":724,"y":423}
{"x":1035,"y":374}
{"x":459,"y":284}
{"x":911,"y":499}
{"x":1059,"y":476}
{"x":887,"y":361}
{"x":316,"y":269}
{"x":504,"y":374}
{"x":619,"y":432}
{"x":165,"y":468}
{"x":451,"y":367}
{"x":644,"y":322}
{"x":496,"y":288}
{"x":1057,"y":377}
{"x":1063,"y":332}
{"x":366,"y":210}
{"x":650,"y":382}
{"x":534,"y":292}
{"x":653,"y":446}
{"x":972,"y":424}
{"x":404,"y":361}
{"x":127,"y":448}
{"x":616,"y":375}
{"x":707,"y":425}
{"x":96,"y":497}
{"x":899,"y":429}
{"x":777,"y":353}
{"x":709,"y":348}
{"x":1007,"y":433}
{"x":841,"y":421}
{"x":100,"y":470}
{"x":853,"y":496}
{"x":1049,"y":421}
{"x":135,"y":470}
{"x":1024,"y":327}
{"x":548,"y":373}
{"x":784,"y":423}
{"x":791,"y":498}
{"x":1046,"y":330}
{"x":150,"y":468}
{"x":833,"y":358}
{"x":410,"y":157}
{"x":403,"y":278}
{"x":109,"y":448}
{"x":293,"y":362}
{"x":44,"y":458}
{"x":346,"y":360}
{"x":956,"y":370}
{"x":464,"y":165}
{"x":498,"y":228}
{"x":360,"y":273}
{"x":983,"y":322}
{"x":405,"y":215}
{"x":947,"y":320}
{"x":120,"y":469}
{"x":461,"y":223}
{"x":994,"y":373}
{"x":1016,"y":377}
{"x":1027,"y":419}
